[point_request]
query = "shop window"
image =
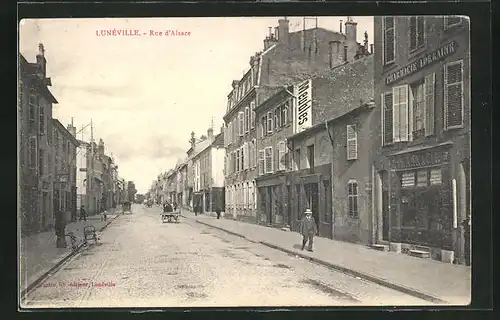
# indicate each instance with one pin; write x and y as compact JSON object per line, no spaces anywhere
{"x":389,"y":46}
{"x":352,"y":194}
{"x":387,"y":123}
{"x":436,"y":177}
{"x":453,"y":95}
{"x":422,"y":178}
{"x":417,"y":32}
{"x":451,"y":21}
{"x":408,"y":180}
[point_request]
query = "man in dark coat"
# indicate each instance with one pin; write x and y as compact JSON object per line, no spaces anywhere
{"x":83,"y":213}
{"x":60,"y":227}
{"x":217,"y":211}
{"x":308,"y":229}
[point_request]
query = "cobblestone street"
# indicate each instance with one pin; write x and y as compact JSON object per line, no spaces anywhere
{"x":144,"y":263}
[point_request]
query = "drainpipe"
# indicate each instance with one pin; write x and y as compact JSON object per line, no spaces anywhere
{"x":332,"y":175}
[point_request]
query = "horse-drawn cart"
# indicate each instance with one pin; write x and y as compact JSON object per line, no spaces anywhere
{"x":170,"y":217}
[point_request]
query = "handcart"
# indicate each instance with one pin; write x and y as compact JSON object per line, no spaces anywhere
{"x":170,"y":217}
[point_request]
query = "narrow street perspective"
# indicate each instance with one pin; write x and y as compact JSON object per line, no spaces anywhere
{"x":244,"y":162}
{"x":142,"y":262}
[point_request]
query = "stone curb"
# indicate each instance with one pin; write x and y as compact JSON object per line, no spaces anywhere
{"x":57,"y":266}
{"x":351,"y":272}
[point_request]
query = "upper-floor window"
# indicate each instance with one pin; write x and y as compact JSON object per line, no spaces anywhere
{"x":241,"y":123}
{"x":252,"y":114}
{"x":284,"y":114}
{"x":389,"y":41}
{"x":277,"y":118}
{"x":263,"y":126}
{"x":269,"y":122}
{"x":33,"y":105}
{"x":247,"y":119}
{"x":451,"y":21}
{"x":417,"y":102}
{"x":32,"y":152}
{"x":416,"y":32}
{"x":352,"y":142}
{"x":262,"y":161}
{"x":269,"y":159}
{"x":310,"y":156}
{"x":282,"y":156}
{"x":296,"y":159}
{"x":453,"y":95}
{"x":352,"y":194}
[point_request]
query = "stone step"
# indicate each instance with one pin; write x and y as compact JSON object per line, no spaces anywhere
{"x":380,"y":247}
{"x":419,"y":253}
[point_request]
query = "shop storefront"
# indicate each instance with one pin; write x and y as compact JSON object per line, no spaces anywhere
{"x":312,"y":190}
{"x":427,"y":200}
{"x":274,"y":200}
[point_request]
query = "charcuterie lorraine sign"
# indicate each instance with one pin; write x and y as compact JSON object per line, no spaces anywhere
{"x":423,"y":62}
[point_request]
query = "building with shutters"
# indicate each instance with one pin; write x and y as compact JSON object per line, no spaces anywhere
{"x":35,"y":144}
{"x":64,"y":170}
{"x":422,"y":83}
{"x":274,"y":126}
{"x":287,"y":58}
{"x":332,"y":156}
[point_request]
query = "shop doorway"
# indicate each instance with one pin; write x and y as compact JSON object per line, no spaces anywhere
{"x":312,"y":200}
{"x":289,"y":205}
{"x":269,"y":206}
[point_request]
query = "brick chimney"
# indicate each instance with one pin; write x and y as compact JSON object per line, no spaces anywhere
{"x":335,"y":54}
{"x":350,"y":29}
{"x":101,"y":147}
{"x":192,"y":140}
{"x":284,"y":31}
{"x":71,"y":129}
{"x":41,"y":62}
{"x":210,"y":134}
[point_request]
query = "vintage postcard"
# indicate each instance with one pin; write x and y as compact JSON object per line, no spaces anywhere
{"x":244,"y":162}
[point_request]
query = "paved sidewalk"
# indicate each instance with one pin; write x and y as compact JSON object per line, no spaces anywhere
{"x":429,"y":279}
{"x":38,"y":252}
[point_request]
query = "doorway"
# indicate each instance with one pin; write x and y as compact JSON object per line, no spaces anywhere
{"x":269,"y":206}
{"x":289,"y":205}
{"x":384,"y":177}
{"x":312,"y":200}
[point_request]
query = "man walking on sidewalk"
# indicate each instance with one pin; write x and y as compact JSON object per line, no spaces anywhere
{"x":308,"y":229}
{"x":83,"y":213}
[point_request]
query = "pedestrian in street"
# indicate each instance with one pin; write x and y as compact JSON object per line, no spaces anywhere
{"x":175,"y":206}
{"x":308,"y":229}
{"x":196,"y":208}
{"x":60,"y":227}
{"x":83,"y":213}
{"x":217,"y":211}
{"x":104,"y":215}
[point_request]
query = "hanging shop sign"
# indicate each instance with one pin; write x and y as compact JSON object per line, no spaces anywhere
{"x":426,"y":60}
{"x":303,"y":106}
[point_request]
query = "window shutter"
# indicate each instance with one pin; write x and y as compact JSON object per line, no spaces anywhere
{"x":429,"y":94}
{"x":352,"y":142}
{"x":410,"y":114}
{"x":400,"y":113}
{"x":252,"y":114}
{"x":247,"y":119}
{"x":241,"y":125}
{"x":269,"y":122}
{"x":453,"y":97}
{"x":269,"y":159}
{"x":245,"y":153}
{"x":281,"y":156}
{"x":389,"y":47}
{"x":395,"y":114}
{"x":261,"y":162}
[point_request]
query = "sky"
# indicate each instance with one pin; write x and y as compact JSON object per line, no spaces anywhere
{"x":145,"y":95}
